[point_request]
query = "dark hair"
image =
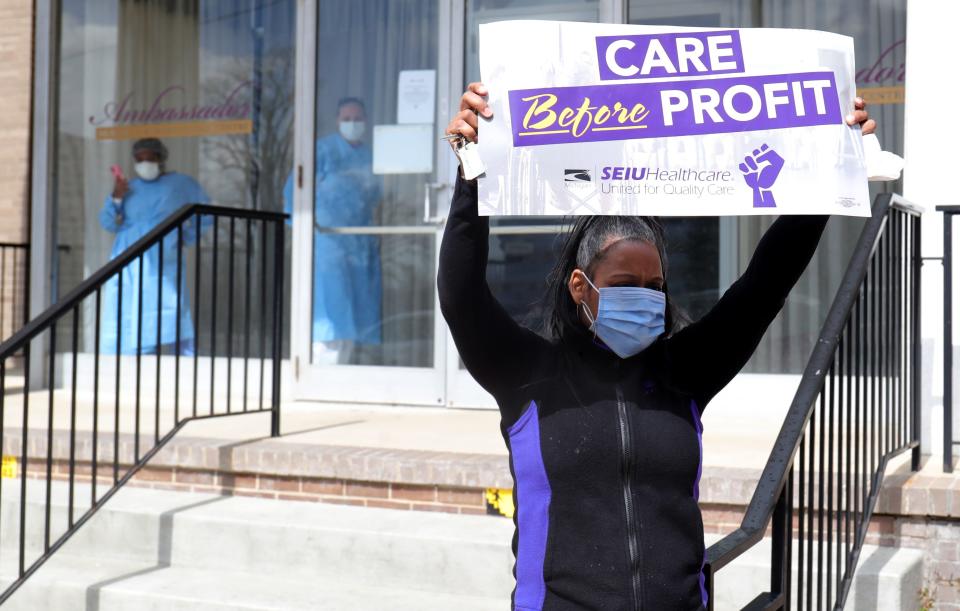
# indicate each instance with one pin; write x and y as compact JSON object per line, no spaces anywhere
{"x":586,"y":244}
{"x":351,"y":100}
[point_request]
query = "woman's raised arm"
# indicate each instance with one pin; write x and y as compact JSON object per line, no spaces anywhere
{"x":499,"y":353}
{"x":702,"y":358}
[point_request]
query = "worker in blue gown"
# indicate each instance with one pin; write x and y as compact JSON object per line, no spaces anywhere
{"x":346,"y":268}
{"x":131,"y":211}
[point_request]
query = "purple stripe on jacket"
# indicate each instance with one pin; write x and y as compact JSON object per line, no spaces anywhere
{"x":532,"y":496}
{"x":696,"y":490}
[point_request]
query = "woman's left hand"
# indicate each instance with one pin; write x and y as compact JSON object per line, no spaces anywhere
{"x":861,"y":116}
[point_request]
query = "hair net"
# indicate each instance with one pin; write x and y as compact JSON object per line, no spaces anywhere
{"x":150,"y":144}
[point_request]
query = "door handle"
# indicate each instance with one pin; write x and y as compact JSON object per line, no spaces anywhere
{"x":428,"y":217}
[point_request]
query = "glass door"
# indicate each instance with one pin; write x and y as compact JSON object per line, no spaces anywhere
{"x":372,"y":104}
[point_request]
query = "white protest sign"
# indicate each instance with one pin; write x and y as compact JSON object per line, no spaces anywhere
{"x":662,"y":120}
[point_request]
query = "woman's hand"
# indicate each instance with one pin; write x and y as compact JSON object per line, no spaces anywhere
{"x":861,"y":116}
{"x":465,"y":121}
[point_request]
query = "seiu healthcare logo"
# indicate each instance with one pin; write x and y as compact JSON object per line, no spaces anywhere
{"x":638,"y":109}
{"x":663,"y":174}
{"x":653,"y":181}
{"x":622,"y":173}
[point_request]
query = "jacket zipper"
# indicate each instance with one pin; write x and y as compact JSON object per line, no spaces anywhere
{"x":633,"y":539}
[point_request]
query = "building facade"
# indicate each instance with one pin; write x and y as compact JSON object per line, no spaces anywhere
{"x":252,"y":99}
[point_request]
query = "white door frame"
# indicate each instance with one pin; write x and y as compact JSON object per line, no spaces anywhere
{"x":303,"y":157}
{"x":42,"y":236}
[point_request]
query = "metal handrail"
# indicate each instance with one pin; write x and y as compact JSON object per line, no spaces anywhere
{"x":773,"y":496}
{"x":949,"y":443}
{"x":98,"y":278}
{"x":270,"y":270}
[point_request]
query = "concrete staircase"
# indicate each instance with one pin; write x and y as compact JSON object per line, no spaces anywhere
{"x":887,"y":579}
{"x":152,"y":550}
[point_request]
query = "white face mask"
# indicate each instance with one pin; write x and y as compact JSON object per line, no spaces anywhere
{"x":352,"y":131}
{"x":147,"y":170}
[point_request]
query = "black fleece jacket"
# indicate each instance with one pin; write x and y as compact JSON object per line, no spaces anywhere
{"x":606,"y":452}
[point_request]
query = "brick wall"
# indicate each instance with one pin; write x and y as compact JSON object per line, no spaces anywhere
{"x":16,"y":50}
{"x":386,"y":495}
{"x":940,"y":541}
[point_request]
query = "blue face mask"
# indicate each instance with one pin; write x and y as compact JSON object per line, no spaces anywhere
{"x":629,"y":318}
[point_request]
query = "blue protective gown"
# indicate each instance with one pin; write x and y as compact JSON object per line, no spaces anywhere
{"x":346,"y":268}
{"x":144,"y":207}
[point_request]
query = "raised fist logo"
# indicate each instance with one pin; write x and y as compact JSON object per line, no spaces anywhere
{"x":760,"y":171}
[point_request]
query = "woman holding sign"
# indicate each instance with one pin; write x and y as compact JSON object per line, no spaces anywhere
{"x":602,"y":417}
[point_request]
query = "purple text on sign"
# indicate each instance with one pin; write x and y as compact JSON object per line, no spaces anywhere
{"x":666,"y":55}
{"x":596,"y":113}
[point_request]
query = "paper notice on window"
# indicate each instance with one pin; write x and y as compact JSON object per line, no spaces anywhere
{"x":416,"y":95}
{"x":662,"y":120}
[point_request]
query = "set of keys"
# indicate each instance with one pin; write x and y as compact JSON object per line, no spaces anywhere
{"x":468,"y":155}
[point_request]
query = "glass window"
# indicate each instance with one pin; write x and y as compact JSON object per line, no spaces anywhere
{"x":212,"y":82}
{"x":879,"y":31}
{"x":373,"y":264}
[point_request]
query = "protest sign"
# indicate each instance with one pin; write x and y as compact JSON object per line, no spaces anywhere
{"x":661,"y":120}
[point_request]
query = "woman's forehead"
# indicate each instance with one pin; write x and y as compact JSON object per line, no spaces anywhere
{"x":146,"y":155}
{"x":629,"y":255}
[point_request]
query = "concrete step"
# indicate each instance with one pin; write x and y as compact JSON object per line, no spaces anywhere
{"x":127,"y":527}
{"x":69,"y":583}
{"x":439,"y":552}
{"x":443,"y":553}
{"x":151,"y":549}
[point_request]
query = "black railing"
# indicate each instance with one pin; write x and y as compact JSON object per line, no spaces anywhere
{"x":857,"y":406}
{"x":949,"y":443}
{"x":15,"y":285}
{"x":138,"y":366}
{"x":14,"y":280}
